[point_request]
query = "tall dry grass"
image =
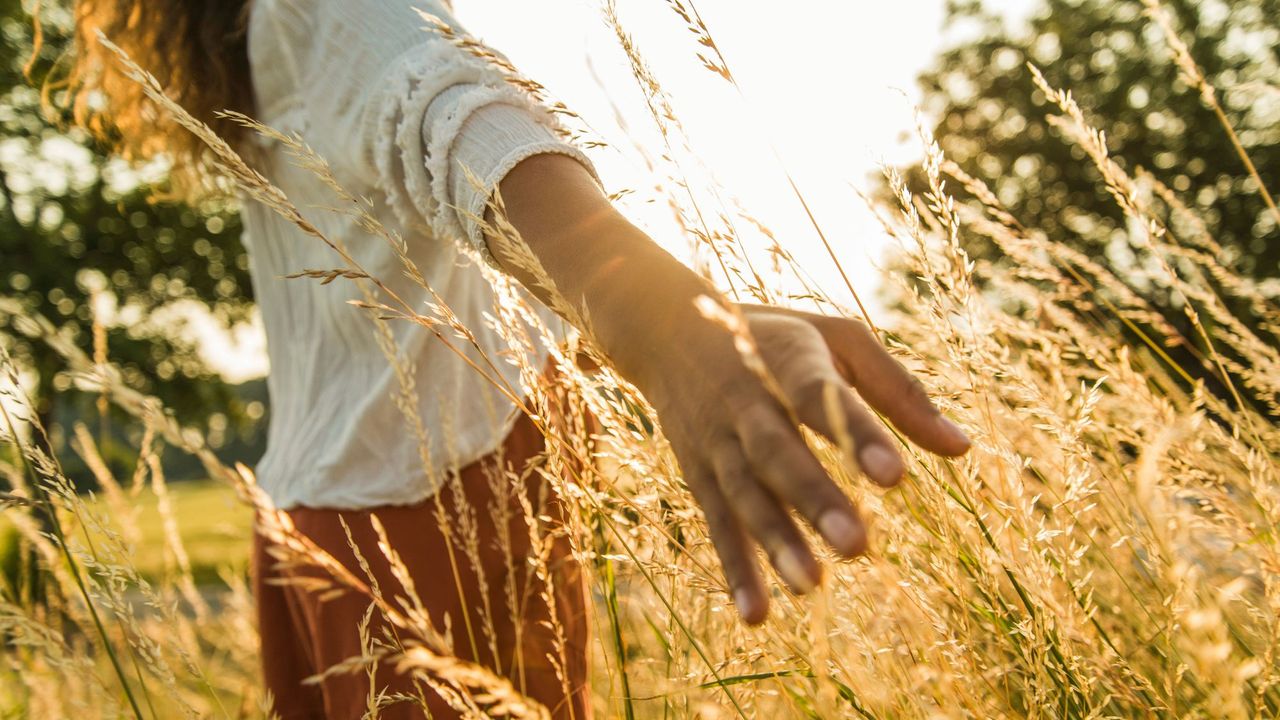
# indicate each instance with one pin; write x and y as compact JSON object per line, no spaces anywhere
{"x":1108,"y":548}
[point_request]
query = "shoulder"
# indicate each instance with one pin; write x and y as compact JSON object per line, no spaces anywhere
{"x":277,"y":36}
{"x":297,"y":44}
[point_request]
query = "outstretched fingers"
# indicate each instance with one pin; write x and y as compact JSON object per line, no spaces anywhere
{"x":733,"y":546}
{"x":889,"y":387}
{"x":750,"y":473}
{"x":782,"y":461}
{"x":832,"y":409}
{"x":761,"y":513}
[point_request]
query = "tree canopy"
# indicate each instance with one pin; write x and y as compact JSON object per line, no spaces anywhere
{"x":993,"y":121}
{"x":1117,"y":61}
{"x":81,"y":229}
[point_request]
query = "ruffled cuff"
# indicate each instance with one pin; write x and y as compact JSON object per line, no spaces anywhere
{"x":474,"y":135}
{"x":406,"y":89}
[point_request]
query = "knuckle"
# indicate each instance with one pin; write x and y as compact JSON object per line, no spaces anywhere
{"x":770,"y":439}
{"x":852,"y":340}
{"x":735,"y":484}
{"x":812,"y":391}
{"x":774,"y":534}
{"x":765,"y":521}
{"x":723,"y":445}
{"x":860,"y":331}
{"x":812,"y":488}
{"x":784,"y":338}
{"x":869,"y":433}
{"x":741,"y":394}
{"x":719,"y":521}
{"x":851,"y":329}
{"x":825,"y":495}
{"x":855,"y":329}
{"x":913,"y":390}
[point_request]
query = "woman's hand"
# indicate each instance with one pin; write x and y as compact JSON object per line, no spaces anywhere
{"x":739,"y":446}
{"x":746,"y":461}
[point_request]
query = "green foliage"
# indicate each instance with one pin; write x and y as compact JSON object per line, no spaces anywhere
{"x":996,"y":125}
{"x":80,"y":229}
{"x":10,"y":556}
{"x":992,"y":120}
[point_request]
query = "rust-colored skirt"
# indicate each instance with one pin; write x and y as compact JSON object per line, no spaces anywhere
{"x":303,"y":636}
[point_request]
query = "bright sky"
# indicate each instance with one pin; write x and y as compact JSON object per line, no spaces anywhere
{"x":823,"y":84}
{"x":829,"y":83}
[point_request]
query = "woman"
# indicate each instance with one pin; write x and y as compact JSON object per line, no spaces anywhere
{"x":428,"y":132}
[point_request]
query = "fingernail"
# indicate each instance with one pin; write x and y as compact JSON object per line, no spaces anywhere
{"x":845,"y":533}
{"x":881,"y":464}
{"x":794,"y":570}
{"x":747,"y":606}
{"x":953,"y":433}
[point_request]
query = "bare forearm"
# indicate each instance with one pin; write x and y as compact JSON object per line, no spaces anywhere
{"x":638,"y":298}
{"x":740,"y":449}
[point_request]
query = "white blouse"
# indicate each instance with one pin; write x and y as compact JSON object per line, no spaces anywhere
{"x":397,"y":111}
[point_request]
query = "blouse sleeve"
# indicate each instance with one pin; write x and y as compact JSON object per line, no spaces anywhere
{"x":401,"y":106}
{"x":474,"y":135}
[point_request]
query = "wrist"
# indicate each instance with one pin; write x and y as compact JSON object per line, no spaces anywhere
{"x":643,"y":315}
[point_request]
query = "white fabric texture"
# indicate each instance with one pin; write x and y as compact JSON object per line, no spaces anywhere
{"x":398,"y":111}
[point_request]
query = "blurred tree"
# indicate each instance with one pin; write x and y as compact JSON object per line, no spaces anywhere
{"x":993,"y":122}
{"x":1114,"y":60}
{"x":80,"y":230}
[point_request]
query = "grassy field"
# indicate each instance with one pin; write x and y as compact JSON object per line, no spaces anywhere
{"x":214,"y":526}
{"x":1107,"y":549}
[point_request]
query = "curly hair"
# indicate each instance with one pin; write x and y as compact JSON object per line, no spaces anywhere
{"x":198,"y":51}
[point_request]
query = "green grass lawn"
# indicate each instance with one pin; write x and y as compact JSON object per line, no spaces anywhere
{"x":215,"y":528}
